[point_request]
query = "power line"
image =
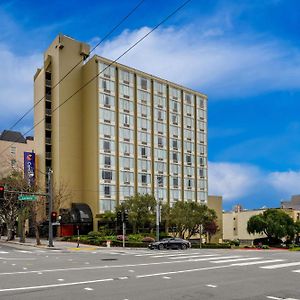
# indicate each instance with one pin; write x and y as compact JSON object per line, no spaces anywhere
{"x":114,"y":61}
{"x":79,"y":62}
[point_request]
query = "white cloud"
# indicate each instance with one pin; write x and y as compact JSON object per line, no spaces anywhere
{"x":232,"y":180}
{"x":16,"y":83}
{"x":250,"y":184}
{"x":287,"y":182}
{"x":209,"y":61}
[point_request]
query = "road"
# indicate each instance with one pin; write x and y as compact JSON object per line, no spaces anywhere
{"x":132,"y":274}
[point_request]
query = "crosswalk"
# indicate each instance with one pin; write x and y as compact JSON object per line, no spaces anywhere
{"x":241,"y":260}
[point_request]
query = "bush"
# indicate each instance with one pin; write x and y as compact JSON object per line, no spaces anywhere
{"x":148,"y":239}
{"x":120,"y":237}
{"x":213,"y":246}
{"x":265,"y":247}
{"x":235,"y":243}
{"x":135,"y":237}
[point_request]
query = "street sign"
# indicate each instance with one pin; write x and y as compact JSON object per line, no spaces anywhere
{"x":27,"y":198}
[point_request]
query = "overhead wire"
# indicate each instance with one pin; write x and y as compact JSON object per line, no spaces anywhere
{"x":109,"y":65}
{"x":79,"y":62}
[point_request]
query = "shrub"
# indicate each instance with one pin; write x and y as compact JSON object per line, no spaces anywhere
{"x":148,"y":239}
{"x":213,"y":246}
{"x":120,"y":237}
{"x":265,"y":247}
{"x":135,"y":237}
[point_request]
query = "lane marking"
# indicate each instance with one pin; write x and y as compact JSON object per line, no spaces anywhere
{"x":37,"y":287}
{"x":209,"y":258}
{"x":166,"y":277}
{"x":211,"y":285}
{"x":235,"y":259}
{"x":17,"y":258}
{"x":281,"y":265}
{"x":275,"y":298}
{"x":258,"y":262}
{"x":189,"y":256}
{"x":88,"y":289}
{"x":60,"y":279}
{"x":182,"y":271}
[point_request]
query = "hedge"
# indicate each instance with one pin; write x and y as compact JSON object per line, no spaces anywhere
{"x":212,"y":246}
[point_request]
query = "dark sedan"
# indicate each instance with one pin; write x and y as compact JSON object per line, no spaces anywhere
{"x":170,"y":243}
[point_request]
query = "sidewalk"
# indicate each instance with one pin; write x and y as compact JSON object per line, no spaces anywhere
{"x":58,"y":245}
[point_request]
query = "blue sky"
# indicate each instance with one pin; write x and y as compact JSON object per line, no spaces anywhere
{"x":245,"y":55}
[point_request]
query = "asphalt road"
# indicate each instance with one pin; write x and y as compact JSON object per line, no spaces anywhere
{"x":33,"y":273}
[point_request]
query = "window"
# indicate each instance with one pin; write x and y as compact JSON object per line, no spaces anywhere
{"x":175,"y":157}
{"x":160,"y":180}
{"x":174,"y":119}
{"x":175,"y":106}
{"x":188,"y":159}
{"x":107,"y":130}
{"x":107,"y":161}
{"x":160,"y":115}
{"x":160,"y":141}
{"x":175,"y":182}
{"x":106,"y":146}
{"x":107,"y":191}
{"x":107,"y":175}
{"x":175,"y":144}
{"x":13,"y":150}
{"x":143,"y":151}
{"x":144,"y":84}
{"x":13,"y":163}
{"x":126,"y":77}
{"x":144,"y":178}
{"x":188,"y":99}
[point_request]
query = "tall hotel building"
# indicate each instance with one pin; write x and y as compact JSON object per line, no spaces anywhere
{"x":109,"y":131}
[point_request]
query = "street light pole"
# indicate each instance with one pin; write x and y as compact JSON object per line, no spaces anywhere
{"x":50,"y":206}
{"x":157,"y":214}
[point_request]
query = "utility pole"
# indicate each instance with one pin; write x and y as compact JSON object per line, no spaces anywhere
{"x":157,"y":215}
{"x":50,"y":206}
{"x":200,"y":233}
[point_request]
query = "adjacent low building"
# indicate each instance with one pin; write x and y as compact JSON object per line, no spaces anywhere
{"x":12,"y":147}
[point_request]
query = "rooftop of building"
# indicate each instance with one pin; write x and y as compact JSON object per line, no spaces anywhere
{"x":14,"y":136}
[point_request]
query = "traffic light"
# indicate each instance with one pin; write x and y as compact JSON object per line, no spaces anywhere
{"x":53,"y":217}
{"x":1,"y":192}
{"x":119,"y":217}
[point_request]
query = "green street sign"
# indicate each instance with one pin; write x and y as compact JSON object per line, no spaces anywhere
{"x":27,"y":198}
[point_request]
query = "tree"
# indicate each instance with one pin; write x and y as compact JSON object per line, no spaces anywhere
{"x":11,"y":207}
{"x":274,"y":223}
{"x":141,"y":211}
{"x":187,"y":217}
{"x":210,"y":228}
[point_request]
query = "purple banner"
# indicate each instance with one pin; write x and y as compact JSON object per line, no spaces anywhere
{"x":29,"y":167}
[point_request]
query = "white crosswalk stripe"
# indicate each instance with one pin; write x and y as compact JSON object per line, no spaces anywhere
{"x":291,"y":264}
{"x":3,"y":252}
{"x":250,"y":263}
{"x":235,"y":259}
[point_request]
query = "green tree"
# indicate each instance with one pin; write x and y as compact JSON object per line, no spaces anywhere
{"x":274,"y":223}
{"x":187,"y":217}
{"x":141,"y":211}
{"x":11,"y":208}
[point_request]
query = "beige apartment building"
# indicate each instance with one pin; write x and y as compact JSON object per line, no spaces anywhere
{"x":109,"y":131}
{"x":12,"y":147}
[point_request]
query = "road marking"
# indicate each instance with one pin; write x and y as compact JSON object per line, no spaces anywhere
{"x":182,"y":271}
{"x":235,"y":259}
{"x":166,"y":277}
{"x":88,"y":289}
{"x":207,"y":258}
{"x":3,"y":252}
{"x":37,"y":287}
{"x":258,"y":262}
{"x":131,"y":271}
{"x":276,"y":298}
{"x":185,"y":256}
{"x":123,"y":278}
{"x":17,"y":258}
{"x":24,"y":268}
{"x":60,"y":279}
{"x":211,"y":285}
{"x":297,"y":263}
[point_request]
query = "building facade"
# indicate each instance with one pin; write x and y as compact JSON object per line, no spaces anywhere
{"x":109,"y":131}
{"x":12,"y":147}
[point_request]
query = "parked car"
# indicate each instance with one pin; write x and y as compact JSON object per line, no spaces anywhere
{"x":170,"y":243}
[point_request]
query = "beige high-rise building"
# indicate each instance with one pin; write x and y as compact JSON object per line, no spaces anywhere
{"x":109,"y":131}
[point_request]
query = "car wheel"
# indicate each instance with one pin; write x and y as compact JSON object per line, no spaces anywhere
{"x":183,"y":246}
{"x":160,"y":247}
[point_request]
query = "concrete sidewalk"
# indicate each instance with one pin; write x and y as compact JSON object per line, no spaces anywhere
{"x":58,"y":245}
